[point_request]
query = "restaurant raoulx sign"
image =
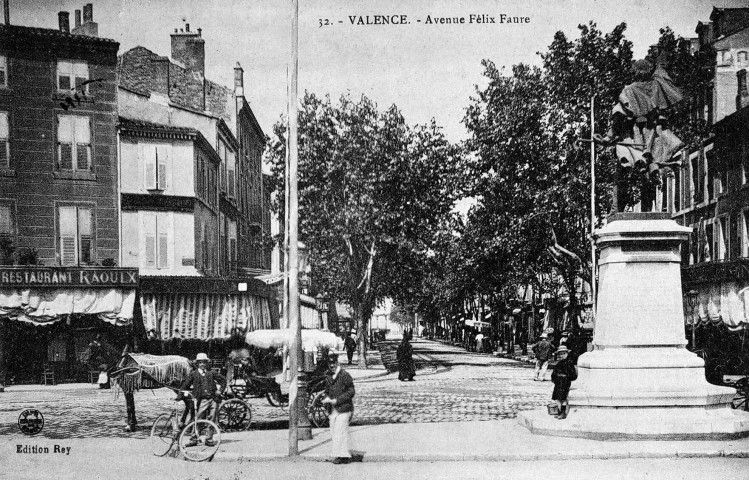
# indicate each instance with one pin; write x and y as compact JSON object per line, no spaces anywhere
{"x":68,"y":277}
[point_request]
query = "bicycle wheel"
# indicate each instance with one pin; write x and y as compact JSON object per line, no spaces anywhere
{"x":316,"y":410}
{"x":199,"y":440}
{"x":163,"y":435}
{"x":234,"y":414}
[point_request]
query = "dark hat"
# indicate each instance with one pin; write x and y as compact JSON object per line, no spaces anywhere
{"x":332,"y":357}
{"x":643,"y":66}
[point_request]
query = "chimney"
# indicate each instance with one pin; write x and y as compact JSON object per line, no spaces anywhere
{"x":238,"y":81}
{"x":88,"y":13}
{"x":64,"y":19}
{"x":88,"y":27}
{"x":77,"y":18}
{"x":188,"y":48}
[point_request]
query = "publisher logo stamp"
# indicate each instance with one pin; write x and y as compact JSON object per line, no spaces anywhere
{"x":31,"y":421}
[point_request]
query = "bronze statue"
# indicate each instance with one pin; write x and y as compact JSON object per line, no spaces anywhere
{"x":640,"y":132}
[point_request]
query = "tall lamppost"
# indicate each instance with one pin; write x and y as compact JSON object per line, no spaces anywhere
{"x":692,"y":302}
{"x":322,"y":307}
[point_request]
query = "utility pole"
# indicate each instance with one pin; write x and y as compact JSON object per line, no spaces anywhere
{"x":293,"y":314}
{"x":592,"y":206}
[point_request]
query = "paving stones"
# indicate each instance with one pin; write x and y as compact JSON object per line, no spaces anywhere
{"x":451,"y":385}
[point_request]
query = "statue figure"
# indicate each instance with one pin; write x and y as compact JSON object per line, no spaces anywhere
{"x":640,"y":132}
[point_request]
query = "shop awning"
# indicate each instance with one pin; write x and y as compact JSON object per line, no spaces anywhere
{"x":725,"y":302}
{"x":203,"y":316}
{"x":44,"y":306}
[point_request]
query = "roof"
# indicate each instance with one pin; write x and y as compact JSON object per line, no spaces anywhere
{"x":142,"y":128}
{"x":140,"y":125}
{"x":54,"y":35}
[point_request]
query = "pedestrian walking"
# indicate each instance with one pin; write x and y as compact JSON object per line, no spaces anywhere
{"x":542,"y":350}
{"x":563,"y":375}
{"x":480,"y":343}
{"x":404,"y":354}
{"x":350,"y":345}
{"x":339,"y":397}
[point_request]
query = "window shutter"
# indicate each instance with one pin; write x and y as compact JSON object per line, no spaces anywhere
{"x":6,"y":225}
{"x":64,"y":75}
{"x":65,"y":142}
{"x":162,"y":160}
{"x":149,"y":236}
{"x":68,"y":227}
{"x":4,"y":135}
{"x":149,"y":163}
{"x":163,"y":250}
{"x":80,"y":74}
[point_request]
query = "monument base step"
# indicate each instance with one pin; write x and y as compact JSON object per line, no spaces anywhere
{"x":641,"y":423}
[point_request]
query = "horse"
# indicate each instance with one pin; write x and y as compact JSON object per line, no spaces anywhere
{"x":135,"y":371}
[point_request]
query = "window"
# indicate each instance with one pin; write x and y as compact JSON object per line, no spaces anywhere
{"x":70,"y":74}
{"x":742,"y":58}
{"x":7,"y":228}
{"x":76,"y":243}
{"x":73,"y":143}
{"x":204,"y":254}
{"x":724,"y":58}
{"x":3,"y":71}
{"x":232,"y":246}
{"x":156,"y":233}
{"x":231,"y":173}
{"x":720,"y":239}
{"x":156,"y":166}
{"x":4,"y":140}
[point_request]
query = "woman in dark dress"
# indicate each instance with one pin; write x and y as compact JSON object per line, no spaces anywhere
{"x":563,"y":375}
{"x":404,"y":354}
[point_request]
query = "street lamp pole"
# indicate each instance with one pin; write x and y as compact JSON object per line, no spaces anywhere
{"x":592,"y":206}
{"x":293,"y":314}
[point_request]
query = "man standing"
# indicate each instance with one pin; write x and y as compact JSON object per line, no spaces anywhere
{"x":339,"y":395}
{"x":350,"y":344}
{"x":202,"y":383}
{"x":543,"y":351}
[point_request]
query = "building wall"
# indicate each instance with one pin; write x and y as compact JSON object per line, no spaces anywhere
{"x":33,"y":184}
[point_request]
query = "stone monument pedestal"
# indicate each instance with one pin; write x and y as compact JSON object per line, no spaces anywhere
{"x":640,"y":382}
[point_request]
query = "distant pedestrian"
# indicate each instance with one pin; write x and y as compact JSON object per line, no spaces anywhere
{"x":542,"y":350}
{"x":350,"y":345}
{"x":404,"y":354}
{"x":480,"y":343}
{"x":563,"y":375}
{"x":339,"y":395}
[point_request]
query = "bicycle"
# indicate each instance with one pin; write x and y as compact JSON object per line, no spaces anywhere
{"x":198,"y":440}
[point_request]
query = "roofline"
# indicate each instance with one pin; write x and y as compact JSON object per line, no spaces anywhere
{"x":155,"y":130}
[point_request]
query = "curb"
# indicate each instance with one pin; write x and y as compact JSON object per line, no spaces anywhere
{"x":490,"y":457}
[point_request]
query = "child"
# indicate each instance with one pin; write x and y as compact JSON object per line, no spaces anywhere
{"x":563,"y":375}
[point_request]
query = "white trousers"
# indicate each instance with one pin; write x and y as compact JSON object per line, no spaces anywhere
{"x":339,"y":431}
{"x":541,"y":368}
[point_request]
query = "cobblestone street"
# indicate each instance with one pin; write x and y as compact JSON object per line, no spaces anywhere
{"x":451,"y":385}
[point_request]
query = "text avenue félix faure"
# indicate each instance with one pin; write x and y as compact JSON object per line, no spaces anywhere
{"x":58,"y":449}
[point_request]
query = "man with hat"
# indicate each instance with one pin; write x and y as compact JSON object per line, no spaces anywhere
{"x":339,"y":395}
{"x":563,"y":375}
{"x":202,"y":383}
{"x":542,"y":350}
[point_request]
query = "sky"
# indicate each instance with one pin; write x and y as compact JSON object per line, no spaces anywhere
{"x":427,"y":70}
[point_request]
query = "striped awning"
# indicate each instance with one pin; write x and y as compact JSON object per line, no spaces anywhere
{"x":203,"y":316}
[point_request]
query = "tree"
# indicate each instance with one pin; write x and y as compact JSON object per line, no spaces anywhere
{"x":533,"y":181}
{"x":372,"y":193}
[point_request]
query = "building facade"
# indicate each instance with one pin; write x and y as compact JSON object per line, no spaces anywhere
{"x":191,"y":195}
{"x":59,"y":214}
{"x":710,"y":194}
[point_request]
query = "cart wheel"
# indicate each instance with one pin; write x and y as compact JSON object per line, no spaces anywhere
{"x":199,"y":440}
{"x":277,"y":399}
{"x":163,"y":435}
{"x":316,"y":410}
{"x":234,"y":414}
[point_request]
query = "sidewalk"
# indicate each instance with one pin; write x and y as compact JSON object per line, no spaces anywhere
{"x":503,"y":440}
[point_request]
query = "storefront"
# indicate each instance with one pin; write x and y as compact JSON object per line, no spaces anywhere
{"x":187,"y":315}
{"x":49,"y":316}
